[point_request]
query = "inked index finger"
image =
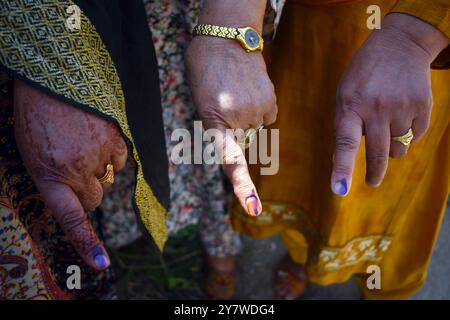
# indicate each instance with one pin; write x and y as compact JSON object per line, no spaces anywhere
{"x":348,"y":132}
{"x":235,"y":168}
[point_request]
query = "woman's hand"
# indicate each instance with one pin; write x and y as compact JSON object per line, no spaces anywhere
{"x":231,"y":88}
{"x":385,"y":91}
{"x":66,"y":150}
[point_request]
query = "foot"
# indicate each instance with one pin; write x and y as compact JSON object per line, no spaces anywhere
{"x":290,"y":279}
{"x":221,"y":277}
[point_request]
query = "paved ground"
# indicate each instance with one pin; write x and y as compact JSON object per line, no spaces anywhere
{"x":178,"y":273}
{"x":438,"y":282}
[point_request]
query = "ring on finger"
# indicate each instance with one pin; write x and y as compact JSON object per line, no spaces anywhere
{"x":108,"y":177}
{"x":250,"y":135}
{"x":405,"y":139}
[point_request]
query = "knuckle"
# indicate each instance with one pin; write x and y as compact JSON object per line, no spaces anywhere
{"x":346,"y":144}
{"x":273,"y":107}
{"x":68,"y":159}
{"x":44,"y":173}
{"x":60,"y":159}
{"x":120,"y":164}
{"x":71,"y":219}
{"x":341,"y":169}
{"x":210,"y":115}
{"x":421,"y":132}
{"x":271,"y":116}
{"x":243,"y":188}
{"x":422,"y":99}
{"x":233,"y":155}
{"x":90,"y":203}
{"x":377,"y":103}
{"x":348,"y":97}
{"x":121,"y":151}
{"x":271,"y":120}
{"x":93,"y":198}
{"x":376,"y":159}
{"x":398,"y":152}
{"x":351,"y":102}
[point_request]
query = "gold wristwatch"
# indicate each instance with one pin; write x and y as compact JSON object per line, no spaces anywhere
{"x":248,"y":37}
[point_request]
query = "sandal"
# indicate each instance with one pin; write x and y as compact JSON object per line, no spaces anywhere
{"x":290,"y":279}
{"x":221,"y":278}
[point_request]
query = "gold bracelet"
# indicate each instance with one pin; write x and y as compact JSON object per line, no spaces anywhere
{"x":248,"y":37}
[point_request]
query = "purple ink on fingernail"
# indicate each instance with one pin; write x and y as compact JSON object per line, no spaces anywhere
{"x":101,"y":261}
{"x":340,"y":187}
{"x":252,"y":205}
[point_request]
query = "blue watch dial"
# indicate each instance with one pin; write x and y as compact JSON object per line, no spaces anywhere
{"x":251,"y":38}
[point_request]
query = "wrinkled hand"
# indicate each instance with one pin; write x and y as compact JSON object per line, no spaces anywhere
{"x":231,"y":89}
{"x":385,"y":91}
{"x":64,"y":150}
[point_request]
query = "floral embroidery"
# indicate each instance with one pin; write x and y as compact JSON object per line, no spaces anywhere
{"x":277,"y":209}
{"x":369,"y":248}
{"x":327,"y":255}
{"x":358,"y":250}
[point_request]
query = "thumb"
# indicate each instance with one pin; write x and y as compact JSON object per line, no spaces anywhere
{"x":69,"y":213}
{"x":235,"y":168}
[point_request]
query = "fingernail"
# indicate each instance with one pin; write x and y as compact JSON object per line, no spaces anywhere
{"x":101,"y":261}
{"x":340,"y":187}
{"x":252,"y":205}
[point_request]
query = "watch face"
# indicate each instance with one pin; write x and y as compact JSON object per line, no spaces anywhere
{"x":251,"y":38}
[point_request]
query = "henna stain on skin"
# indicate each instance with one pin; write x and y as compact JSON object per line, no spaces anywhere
{"x":63,"y":148}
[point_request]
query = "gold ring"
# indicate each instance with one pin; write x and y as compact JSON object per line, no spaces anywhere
{"x":405,"y":139}
{"x":250,"y":135}
{"x":108,"y":178}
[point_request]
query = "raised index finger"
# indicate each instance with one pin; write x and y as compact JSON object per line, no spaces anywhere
{"x":348,"y":132}
{"x":235,"y":168}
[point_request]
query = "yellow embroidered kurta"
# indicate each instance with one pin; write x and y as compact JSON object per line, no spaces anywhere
{"x":394,"y":226}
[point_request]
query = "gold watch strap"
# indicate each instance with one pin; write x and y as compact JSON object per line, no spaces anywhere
{"x":248,"y":37}
{"x":216,"y":31}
